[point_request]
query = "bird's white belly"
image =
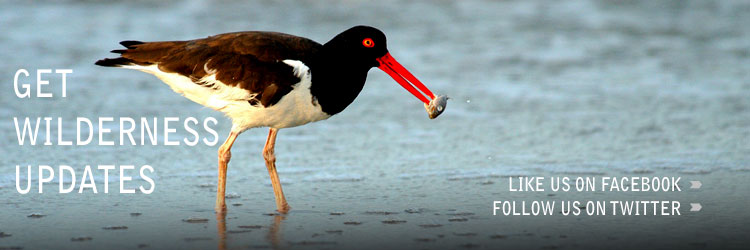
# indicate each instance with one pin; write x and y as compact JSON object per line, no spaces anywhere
{"x":296,"y":108}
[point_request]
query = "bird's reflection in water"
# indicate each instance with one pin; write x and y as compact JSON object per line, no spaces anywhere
{"x":221,"y":228}
{"x":274,"y":231}
{"x":273,"y":237}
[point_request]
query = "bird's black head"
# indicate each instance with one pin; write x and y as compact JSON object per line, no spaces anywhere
{"x":361,"y":45}
{"x":343,"y":65}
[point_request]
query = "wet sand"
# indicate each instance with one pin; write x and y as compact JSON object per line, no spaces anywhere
{"x":581,"y":88}
{"x":402,"y":216}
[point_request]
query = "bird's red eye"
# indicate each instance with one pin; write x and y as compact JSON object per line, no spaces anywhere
{"x":368,"y":43}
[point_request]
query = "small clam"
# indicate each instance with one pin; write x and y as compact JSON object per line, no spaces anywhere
{"x":436,"y":106}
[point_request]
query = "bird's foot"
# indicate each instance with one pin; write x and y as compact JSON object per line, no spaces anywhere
{"x":283,"y":209}
{"x":221,"y":207}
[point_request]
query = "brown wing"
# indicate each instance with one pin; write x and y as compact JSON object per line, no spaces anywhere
{"x":249,"y":60}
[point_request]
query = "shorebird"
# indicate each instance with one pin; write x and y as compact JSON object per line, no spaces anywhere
{"x":270,"y":79}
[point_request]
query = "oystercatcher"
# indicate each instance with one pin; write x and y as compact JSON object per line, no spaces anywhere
{"x":270,"y":79}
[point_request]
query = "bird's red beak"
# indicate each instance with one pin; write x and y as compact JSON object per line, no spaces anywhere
{"x":403,"y":77}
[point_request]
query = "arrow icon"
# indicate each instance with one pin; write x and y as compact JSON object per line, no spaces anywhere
{"x":695,"y":184}
{"x":695,"y":207}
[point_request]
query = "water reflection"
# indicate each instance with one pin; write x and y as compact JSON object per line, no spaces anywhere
{"x":274,"y":237}
{"x":221,"y":228}
{"x":274,"y":231}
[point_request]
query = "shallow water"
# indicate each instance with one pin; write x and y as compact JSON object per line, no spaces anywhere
{"x":537,"y":88}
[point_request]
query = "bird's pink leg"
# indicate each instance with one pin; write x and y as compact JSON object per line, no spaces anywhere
{"x":268,"y":155}
{"x":224,"y":155}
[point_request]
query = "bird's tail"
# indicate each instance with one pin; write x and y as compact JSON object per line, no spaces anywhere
{"x":142,"y":53}
{"x":121,"y":61}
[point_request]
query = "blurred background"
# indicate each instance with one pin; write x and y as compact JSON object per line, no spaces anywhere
{"x":540,"y":88}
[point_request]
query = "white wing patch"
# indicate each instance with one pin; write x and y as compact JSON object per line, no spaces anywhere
{"x":223,"y":94}
{"x":217,"y":96}
{"x":296,"y":108}
{"x":300,"y":69}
